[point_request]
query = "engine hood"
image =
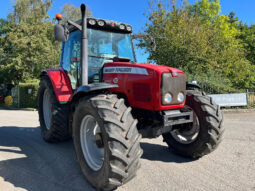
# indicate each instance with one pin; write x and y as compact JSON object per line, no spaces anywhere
{"x":145,"y":84}
{"x":150,"y":67}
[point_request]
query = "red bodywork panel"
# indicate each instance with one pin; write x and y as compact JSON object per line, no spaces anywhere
{"x":61,"y":84}
{"x":140,"y":83}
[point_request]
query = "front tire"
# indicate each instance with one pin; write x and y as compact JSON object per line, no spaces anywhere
{"x":204,"y":134}
{"x":106,"y":141}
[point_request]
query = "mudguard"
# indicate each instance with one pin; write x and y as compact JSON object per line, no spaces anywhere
{"x":192,"y":85}
{"x":60,"y":83}
{"x":83,"y":90}
{"x":63,"y":89}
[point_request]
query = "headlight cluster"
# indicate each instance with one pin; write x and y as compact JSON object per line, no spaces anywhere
{"x":94,"y":22}
{"x":123,"y":27}
{"x":168,"y":98}
{"x":180,"y":97}
{"x":103,"y":23}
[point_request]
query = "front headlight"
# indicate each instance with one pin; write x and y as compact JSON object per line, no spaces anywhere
{"x":168,"y":98}
{"x":180,"y":97}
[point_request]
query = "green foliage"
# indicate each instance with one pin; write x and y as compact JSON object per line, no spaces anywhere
{"x":27,"y":99}
{"x":73,"y":13}
{"x":214,"y":84}
{"x":28,"y":50}
{"x":198,"y":40}
{"x":248,"y":37}
{"x":27,"y":42}
{"x":30,"y":11}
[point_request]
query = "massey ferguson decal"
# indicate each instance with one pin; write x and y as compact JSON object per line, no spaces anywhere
{"x":125,"y":70}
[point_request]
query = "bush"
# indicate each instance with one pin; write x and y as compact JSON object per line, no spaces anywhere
{"x":28,"y":95}
{"x":212,"y":87}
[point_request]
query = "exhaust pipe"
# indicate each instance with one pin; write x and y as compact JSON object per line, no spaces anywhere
{"x":84,"y":48}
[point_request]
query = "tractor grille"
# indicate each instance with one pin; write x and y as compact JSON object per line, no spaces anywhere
{"x":172,"y":85}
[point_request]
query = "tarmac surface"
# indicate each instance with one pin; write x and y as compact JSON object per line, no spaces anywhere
{"x":27,"y":163}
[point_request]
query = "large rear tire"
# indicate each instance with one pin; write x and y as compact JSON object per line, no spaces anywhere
{"x":53,"y":116}
{"x":204,"y":134}
{"x":106,"y":141}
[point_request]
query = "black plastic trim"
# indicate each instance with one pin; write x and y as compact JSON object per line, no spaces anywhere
{"x":192,"y":85}
{"x":95,"y":87}
{"x":92,"y":88}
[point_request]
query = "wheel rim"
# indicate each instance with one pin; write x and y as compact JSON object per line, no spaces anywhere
{"x":47,"y":108}
{"x":188,"y":134}
{"x":92,"y":143}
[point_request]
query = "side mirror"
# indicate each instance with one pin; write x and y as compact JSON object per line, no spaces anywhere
{"x":153,"y":44}
{"x":60,"y":33}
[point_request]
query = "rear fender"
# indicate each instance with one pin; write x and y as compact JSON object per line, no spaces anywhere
{"x":60,"y":83}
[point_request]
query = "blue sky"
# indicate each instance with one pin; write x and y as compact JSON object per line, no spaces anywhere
{"x":132,"y":11}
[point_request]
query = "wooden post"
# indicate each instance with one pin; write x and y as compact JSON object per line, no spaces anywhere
{"x":247,"y":96}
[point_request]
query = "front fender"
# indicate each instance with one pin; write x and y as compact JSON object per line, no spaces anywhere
{"x":95,"y":87}
{"x":191,"y":85}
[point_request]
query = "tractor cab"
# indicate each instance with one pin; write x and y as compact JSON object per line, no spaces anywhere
{"x":108,"y":41}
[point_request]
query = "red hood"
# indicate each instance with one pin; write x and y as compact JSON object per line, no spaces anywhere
{"x":157,"y":68}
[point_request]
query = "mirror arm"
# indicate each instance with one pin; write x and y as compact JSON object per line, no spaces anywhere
{"x":74,"y":24}
{"x":145,"y":35}
{"x":139,"y":36}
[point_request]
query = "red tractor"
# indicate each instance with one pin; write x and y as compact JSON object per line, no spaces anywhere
{"x":107,"y":102}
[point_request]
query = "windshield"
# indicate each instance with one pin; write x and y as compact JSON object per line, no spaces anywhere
{"x":104,"y":44}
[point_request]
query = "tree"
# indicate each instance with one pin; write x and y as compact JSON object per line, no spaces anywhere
{"x":198,"y":40}
{"x":28,"y":47}
{"x":248,"y":37}
{"x":233,"y":19}
{"x":71,"y":12}
{"x":30,"y":11}
{"x":32,"y":50}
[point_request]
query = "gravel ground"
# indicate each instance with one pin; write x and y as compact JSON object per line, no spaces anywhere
{"x":27,"y":163}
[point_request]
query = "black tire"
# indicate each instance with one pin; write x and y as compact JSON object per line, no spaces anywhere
{"x":210,"y":123}
{"x":58,"y":130}
{"x":121,"y":141}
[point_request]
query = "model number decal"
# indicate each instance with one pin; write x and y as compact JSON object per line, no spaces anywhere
{"x":125,"y":70}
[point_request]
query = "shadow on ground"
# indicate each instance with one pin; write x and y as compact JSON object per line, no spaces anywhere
{"x":27,"y":162}
{"x":155,"y":152}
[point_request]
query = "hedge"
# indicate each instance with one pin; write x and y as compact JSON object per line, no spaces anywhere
{"x":28,"y":95}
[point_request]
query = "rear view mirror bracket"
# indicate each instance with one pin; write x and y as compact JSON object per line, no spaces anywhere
{"x":152,"y":43}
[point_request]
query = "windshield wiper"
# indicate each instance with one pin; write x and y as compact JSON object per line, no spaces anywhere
{"x":114,"y":59}
{"x":101,"y":57}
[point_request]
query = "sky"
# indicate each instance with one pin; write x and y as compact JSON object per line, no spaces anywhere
{"x":132,"y":11}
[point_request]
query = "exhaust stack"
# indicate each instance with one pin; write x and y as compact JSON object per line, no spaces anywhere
{"x":84,"y":47}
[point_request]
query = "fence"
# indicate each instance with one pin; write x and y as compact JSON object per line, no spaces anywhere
{"x":251,"y":98}
{"x":216,"y":87}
